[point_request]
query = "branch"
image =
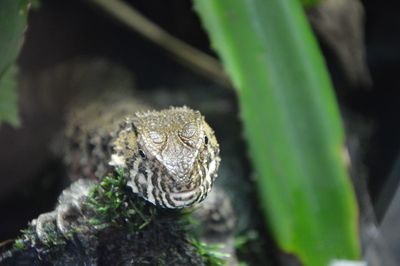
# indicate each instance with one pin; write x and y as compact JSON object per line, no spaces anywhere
{"x":198,"y":61}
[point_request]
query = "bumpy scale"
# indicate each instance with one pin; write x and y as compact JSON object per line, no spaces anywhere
{"x":171,"y":156}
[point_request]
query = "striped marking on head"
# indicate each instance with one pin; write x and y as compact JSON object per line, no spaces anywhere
{"x":172,"y":156}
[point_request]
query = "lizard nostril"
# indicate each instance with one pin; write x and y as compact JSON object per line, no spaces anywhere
{"x":141,"y":153}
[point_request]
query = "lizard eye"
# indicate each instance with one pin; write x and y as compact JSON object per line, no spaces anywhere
{"x":157,"y":137}
{"x":206,"y":140}
{"x":188,"y":131}
{"x":141,"y":153}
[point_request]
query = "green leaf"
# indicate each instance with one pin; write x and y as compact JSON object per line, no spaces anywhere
{"x":8,"y":97}
{"x":310,"y":3}
{"x":292,"y":124}
{"x":36,"y":4}
{"x":13,"y":17}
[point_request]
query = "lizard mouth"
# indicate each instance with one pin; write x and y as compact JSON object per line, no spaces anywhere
{"x":186,"y":197}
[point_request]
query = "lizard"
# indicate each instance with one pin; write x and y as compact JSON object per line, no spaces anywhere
{"x":170,"y":158}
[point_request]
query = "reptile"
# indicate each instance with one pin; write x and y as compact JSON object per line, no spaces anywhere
{"x":171,"y":156}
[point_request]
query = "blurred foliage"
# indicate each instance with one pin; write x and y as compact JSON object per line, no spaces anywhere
{"x":8,"y":96}
{"x":13,"y":19}
{"x":210,"y":252}
{"x":292,"y":124}
{"x":36,"y":4}
{"x":308,"y":3}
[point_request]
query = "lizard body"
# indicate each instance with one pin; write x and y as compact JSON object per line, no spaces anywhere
{"x":171,"y":156}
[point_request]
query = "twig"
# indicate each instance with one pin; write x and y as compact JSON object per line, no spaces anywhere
{"x":198,"y":61}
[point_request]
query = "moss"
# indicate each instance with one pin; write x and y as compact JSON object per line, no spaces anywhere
{"x":241,"y":241}
{"x":55,"y":241}
{"x":114,"y":204}
{"x":27,"y":238}
{"x":120,"y":217}
{"x":211,"y":253}
{"x":55,"y":238}
{"x":19,"y":244}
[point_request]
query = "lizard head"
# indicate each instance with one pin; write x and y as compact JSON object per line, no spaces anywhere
{"x":172,"y":156}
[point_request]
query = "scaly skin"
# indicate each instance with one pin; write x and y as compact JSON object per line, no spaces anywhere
{"x":171,"y":156}
{"x":179,"y":149}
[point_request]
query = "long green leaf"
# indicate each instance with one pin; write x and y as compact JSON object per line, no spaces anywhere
{"x":292,"y":124}
{"x":13,"y":17}
{"x":309,"y":3}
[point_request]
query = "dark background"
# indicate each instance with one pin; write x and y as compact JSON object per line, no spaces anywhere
{"x":30,"y":177}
